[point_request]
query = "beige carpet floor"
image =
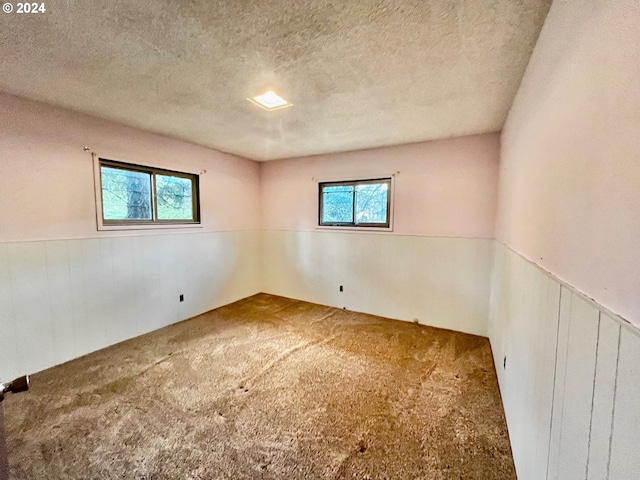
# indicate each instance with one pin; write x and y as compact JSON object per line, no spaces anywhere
{"x":268,"y":388}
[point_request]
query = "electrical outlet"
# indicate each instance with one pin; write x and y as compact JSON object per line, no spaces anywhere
{"x":181,"y":297}
{"x":341,"y":288}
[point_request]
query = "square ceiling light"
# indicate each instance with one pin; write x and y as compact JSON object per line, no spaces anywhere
{"x":270,"y":101}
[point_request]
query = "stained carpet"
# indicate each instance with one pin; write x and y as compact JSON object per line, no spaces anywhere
{"x":268,"y":388}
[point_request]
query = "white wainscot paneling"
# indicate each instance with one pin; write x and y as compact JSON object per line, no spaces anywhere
{"x":61,"y":301}
{"x":572,"y":381}
{"x":625,"y":439}
{"x":9,"y":360}
{"x":65,"y":298}
{"x":575,"y":373}
{"x":443,"y":282}
{"x":603,"y":398}
{"x":30,"y":299}
{"x":523,"y":330}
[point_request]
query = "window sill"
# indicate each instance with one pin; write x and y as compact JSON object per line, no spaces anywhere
{"x":157,"y":226}
{"x":354,"y":229}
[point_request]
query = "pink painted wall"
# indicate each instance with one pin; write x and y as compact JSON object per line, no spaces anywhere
{"x":570,"y":167}
{"x":46,"y":179}
{"x":444,"y":188}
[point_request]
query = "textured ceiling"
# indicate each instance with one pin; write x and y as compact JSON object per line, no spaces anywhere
{"x":360,"y":74}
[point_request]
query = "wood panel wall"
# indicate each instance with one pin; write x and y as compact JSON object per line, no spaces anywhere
{"x":571,"y":383}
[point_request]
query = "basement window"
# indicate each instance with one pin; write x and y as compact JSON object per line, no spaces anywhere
{"x":135,"y":196}
{"x":359,"y":203}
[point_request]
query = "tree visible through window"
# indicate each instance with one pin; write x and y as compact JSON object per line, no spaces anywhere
{"x":137,"y":195}
{"x":362,"y":203}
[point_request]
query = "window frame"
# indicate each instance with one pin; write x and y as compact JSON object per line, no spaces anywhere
{"x":387,"y":226}
{"x":154,"y":222}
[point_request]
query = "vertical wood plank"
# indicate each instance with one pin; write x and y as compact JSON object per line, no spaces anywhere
{"x":546,"y":352}
{"x":530,"y":312}
{"x":75,"y":257}
{"x":168,"y":283}
{"x":34,"y":336}
{"x":499,"y":294}
{"x":145,"y":281}
{"x":189,"y":251}
{"x":604,"y":386}
{"x":10,"y":365}
{"x":140,"y":287}
{"x":625,"y":440}
{"x":60,"y":294}
{"x":153,"y":273}
{"x":519,"y":370}
{"x":92,"y":330}
{"x":112,"y":315}
{"x":118,"y":262}
{"x":578,"y":389}
{"x":558,"y":389}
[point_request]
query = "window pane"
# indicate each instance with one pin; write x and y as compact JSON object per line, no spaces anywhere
{"x":175,"y":200}
{"x":337,"y":204}
{"x":371,"y":202}
{"x":126,"y":195}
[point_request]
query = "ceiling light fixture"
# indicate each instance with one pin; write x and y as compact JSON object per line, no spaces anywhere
{"x":270,"y":101}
